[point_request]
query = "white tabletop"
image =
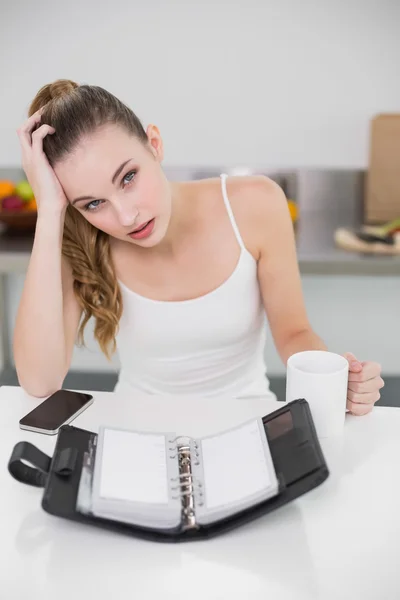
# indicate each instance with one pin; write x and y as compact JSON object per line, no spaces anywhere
{"x":340,"y":541}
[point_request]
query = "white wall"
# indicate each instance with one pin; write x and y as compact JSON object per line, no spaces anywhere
{"x":277,"y":83}
{"x":271,"y":82}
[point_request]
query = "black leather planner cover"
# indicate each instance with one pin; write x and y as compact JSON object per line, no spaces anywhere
{"x":298,"y":460}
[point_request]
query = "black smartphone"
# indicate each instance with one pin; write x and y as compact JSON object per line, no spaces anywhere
{"x":58,"y":409}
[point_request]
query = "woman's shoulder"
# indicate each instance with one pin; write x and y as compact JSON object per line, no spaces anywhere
{"x":259,"y":192}
{"x":259,"y":206}
{"x":258,"y":203}
{"x":251,"y":194}
{"x":256,"y":192}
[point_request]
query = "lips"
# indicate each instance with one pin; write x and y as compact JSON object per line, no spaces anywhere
{"x":142,"y":226}
{"x":143,"y":231}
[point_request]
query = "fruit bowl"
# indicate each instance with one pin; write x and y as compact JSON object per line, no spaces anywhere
{"x":23,"y":221}
{"x":18,"y":210}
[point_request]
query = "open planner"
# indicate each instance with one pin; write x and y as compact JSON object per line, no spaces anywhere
{"x":169,"y":487}
{"x":163,"y":481}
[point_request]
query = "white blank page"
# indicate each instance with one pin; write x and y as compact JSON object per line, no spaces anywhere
{"x":134,"y":467}
{"x":234,"y":466}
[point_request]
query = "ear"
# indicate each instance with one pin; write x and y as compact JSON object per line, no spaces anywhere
{"x":155,"y":142}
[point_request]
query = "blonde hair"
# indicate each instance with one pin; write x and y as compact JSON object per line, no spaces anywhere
{"x":74,"y":111}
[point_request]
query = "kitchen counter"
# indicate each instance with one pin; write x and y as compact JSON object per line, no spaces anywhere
{"x":317,"y":253}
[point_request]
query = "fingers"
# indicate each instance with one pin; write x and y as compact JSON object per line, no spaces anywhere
{"x":28,"y":130}
{"x":359,"y":409}
{"x":367,"y":398}
{"x":39,"y":134}
{"x":369,"y":371}
{"x":364,"y":387}
{"x":25,"y":131}
{"x":30,"y":123}
{"x":364,"y":383}
{"x":354,"y":364}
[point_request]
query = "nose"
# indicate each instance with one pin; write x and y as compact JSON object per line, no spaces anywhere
{"x":127,"y":215}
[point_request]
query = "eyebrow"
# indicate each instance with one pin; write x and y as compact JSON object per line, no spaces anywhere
{"x":117,"y":172}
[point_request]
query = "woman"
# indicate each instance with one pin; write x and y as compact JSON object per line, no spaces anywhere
{"x":177,"y":276}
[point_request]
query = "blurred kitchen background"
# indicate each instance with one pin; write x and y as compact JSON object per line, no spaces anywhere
{"x":281,"y":87}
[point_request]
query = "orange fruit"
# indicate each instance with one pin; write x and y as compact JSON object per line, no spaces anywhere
{"x":294,"y":213}
{"x":7,"y":188}
{"x":31,"y":205}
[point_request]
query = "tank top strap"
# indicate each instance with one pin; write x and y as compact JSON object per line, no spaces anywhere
{"x":230,"y":212}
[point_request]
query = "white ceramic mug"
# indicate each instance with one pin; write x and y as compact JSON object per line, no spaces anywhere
{"x":321,"y":378}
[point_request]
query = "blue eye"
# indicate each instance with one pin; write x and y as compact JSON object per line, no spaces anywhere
{"x":126,"y":181}
{"x":93,"y":205}
{"x":129,"y":177}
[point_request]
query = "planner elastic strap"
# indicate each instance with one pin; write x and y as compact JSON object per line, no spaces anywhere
{"x":62,"y":464}
{"x":23,"y":453}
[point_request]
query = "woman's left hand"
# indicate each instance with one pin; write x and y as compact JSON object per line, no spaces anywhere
{"x":365,"y":381}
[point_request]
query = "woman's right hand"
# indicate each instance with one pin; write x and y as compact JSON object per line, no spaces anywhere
{"x":49,"y":195}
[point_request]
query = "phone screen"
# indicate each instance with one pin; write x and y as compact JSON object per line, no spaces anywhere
{"x":56,"y":410}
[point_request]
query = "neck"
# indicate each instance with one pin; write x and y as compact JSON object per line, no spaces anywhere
{"x":180,"y":222}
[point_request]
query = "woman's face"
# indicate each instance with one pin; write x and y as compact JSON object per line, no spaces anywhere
{"x":118,"y":184}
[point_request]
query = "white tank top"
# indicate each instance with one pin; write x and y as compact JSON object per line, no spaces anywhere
{"x":212,"y":345}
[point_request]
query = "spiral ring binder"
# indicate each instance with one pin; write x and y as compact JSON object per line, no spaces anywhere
{"x":186,"y":484}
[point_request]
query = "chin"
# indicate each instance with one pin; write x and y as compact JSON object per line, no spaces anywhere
{"x":147,"y":243}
